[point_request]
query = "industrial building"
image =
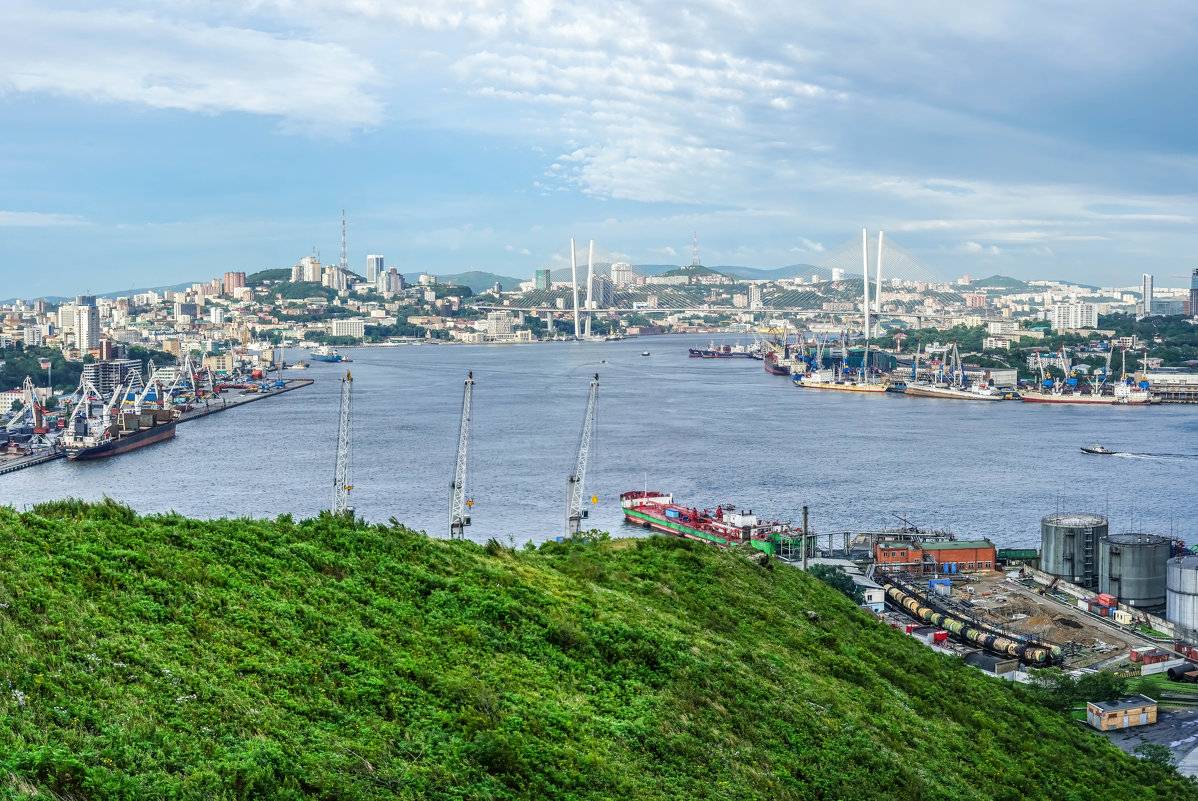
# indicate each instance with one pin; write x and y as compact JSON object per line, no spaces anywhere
{"x":940,"y":556}
{"x":1069,"y":547}
{"x":1138,"y":710}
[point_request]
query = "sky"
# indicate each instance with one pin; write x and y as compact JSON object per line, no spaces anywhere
{"x":153,"y":143}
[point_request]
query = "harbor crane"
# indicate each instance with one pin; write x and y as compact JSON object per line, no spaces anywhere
{"x":341,"y":485}
{"x":459,"y":504}
{"x":575,"y":513}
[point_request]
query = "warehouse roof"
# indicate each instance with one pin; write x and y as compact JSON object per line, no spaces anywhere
{"x":956,"y":544}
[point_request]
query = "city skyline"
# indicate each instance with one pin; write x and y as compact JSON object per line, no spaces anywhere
{"x":150,"y":147}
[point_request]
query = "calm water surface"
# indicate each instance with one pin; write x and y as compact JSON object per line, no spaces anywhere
{"x":710,"y":431}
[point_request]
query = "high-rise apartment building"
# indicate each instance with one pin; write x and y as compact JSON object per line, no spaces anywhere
{"x":1194,"y":293}
{"x":233,"y":281}
{"x":1144,"y":307}
{"x":541,"y":279}
{"x":1074,"y":315}
{"x":86,"y":323}
{"x":374,"y":266}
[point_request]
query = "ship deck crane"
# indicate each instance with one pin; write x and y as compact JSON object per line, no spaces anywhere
{"x":341,"y":485}
{"x":459,"y":504}
{"x":575,"y":513}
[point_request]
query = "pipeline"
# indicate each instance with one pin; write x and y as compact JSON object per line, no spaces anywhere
{"x":967,"y":631}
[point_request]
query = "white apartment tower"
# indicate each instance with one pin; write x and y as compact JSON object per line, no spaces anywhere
{"x":87,"y":323}
{"x":374,"y":266}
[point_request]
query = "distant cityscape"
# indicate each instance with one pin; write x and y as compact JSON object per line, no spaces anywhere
{"x":312,"y":303}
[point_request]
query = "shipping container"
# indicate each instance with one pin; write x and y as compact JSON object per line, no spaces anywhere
{"x":1108,"y":600}
{"x":940,"y":636}
{"x":1135,"y":656}
{"x":1083,"y":604}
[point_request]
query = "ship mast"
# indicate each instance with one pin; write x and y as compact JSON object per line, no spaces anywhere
{"x":341,"y":485}
{"x":458,"y":519}
{"x":574,"y":511}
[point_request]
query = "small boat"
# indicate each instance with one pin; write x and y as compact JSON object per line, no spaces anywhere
{"x":1096,"y":448}
{"x":644,"y":353}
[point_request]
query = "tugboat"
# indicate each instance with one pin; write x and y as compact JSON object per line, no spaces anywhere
{"x":1097,"y":448}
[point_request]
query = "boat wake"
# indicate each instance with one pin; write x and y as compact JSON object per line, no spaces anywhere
{"x":1127,"y":455}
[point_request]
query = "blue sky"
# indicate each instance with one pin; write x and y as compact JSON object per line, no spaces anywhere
{"x":153,"y":143}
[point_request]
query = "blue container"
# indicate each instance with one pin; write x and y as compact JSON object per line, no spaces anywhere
{"x":1071,"y":382}
{"x":672,"y":513}
{"x":1048,"y":382}
{"x":1143,"y":385}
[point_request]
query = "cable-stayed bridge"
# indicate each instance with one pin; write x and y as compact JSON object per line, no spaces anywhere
{"x":831,"y":287}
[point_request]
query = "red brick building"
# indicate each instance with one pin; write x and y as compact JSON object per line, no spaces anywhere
{"x":965,"y":556}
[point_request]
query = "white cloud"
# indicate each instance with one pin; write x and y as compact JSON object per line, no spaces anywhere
{"x":809,"y":245}
{"x":112,"y":56}
{"x":35,"y":219}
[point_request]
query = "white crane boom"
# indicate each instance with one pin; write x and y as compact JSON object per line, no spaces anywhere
{"x":458,"y":518}
{"x":574,"y":484}
{"x":341,"y":485}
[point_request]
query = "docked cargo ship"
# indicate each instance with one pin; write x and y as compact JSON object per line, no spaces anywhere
{"x":772,"y":365}
{"x":714,"y":351}
{"x":722,"y":527}
{"x":127,"y":432}
{"x":938,"y":389}
{"x":1122,"y":394}
{"x":830,"y":378}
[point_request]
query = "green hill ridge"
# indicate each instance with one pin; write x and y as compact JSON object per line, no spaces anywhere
{"x":158,"y":656}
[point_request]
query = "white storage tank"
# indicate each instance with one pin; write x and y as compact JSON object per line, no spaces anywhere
{"x":1181,"y":607}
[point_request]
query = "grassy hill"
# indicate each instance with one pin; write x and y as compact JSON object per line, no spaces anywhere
{"x":153,"y":657}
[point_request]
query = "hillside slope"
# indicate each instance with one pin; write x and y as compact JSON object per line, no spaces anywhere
{"x":166,"y":657}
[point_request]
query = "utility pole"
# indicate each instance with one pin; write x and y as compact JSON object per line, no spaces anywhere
{"x":804,"y":538}
{"x":341,"y":485}
{"x":458,"y":518}
{"x":574,"y":511}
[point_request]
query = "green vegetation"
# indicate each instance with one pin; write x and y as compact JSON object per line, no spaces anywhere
{"x":161,"y":657}
{"x":1057,"y":690}
{"x":835,"y":577}
{"x":298,"y":290}
{"x":278,"y":274}
{"x":999,"y":282}
{"x":20,"y":361}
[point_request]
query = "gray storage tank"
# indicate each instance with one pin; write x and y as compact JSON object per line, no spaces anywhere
{"x":1132,"y":568}
{"x":1069,"y":546}
{"x":1181,"y":591}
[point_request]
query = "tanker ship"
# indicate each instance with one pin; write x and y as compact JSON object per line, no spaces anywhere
{"x":722,"y":527}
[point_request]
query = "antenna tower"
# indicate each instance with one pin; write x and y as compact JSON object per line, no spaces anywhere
{"x":458,"y":518}
{"x":695,"y":251}
{"x":344,"y":265}
{"x":575,"y":513}
{"x":341,"y":485}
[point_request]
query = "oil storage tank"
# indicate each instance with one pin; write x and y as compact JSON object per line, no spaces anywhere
{"x":1069,"y":546}
{"x":1132,"y":568}
{"x":1181,"y":587}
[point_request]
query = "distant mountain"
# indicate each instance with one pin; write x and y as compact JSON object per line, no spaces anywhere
{"x":479,"y":281}
{"x":999,"y":282}
{"x":755,"y":274}
{"x":119,"y":293}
